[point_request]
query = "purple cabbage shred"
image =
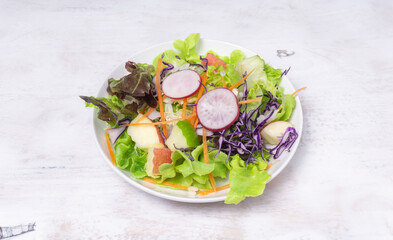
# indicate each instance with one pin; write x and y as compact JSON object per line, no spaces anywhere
{"x":285,"y":72}
{"x":287,"y":140}
{"x":243,"y":137}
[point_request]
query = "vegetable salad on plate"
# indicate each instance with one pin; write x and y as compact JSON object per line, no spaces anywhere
{"x":198,"y":123}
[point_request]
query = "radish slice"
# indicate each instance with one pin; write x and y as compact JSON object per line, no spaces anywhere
{"x":217,"y":109}
{"x":181,"y":84}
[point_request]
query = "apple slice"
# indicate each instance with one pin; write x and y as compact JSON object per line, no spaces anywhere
{"x":144,"y":136}
{"x":183,"y":135}
{"x":155,"y":157}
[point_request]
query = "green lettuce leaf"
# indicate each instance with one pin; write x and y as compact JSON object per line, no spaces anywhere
{"x":189,"y":167}
{"x":181,"y":180}
{"x":128,"y":157}
{"x":273,"y":75}
{"x":169,"y":57}
{"x":288,"y":104}
{"x":236,"y":56}
{"x":246,"y":181}
{"x":187,"y":48}
{"x":220,"y":168}
{"x":139,"y":159}
{"x":167,"y":170}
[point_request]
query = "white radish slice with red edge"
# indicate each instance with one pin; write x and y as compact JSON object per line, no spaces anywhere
{"x":181,"y":84}
{"x":217,"y":109}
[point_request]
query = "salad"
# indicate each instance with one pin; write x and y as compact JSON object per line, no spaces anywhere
{"x":186,"y":121}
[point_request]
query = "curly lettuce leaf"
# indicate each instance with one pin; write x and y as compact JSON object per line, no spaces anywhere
{"x":110,"y":108}
{"x":187,"y":48}
{"x":288,"y":104}
{"x":128,"y":157}
{"x":220,"y":167}
{"x":189,"y":167}
{"x":246,"y":181}
{"x":169,"y":57}
{"x":181,"y":180}
{"x":197,"y":171}
{"x":273,"y":74}
{"x":167,"y":170}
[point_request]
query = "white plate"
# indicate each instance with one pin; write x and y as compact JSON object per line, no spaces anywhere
{"x":147,"y":56}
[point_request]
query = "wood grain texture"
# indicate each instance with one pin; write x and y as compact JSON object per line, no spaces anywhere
{"x":338,"y":185}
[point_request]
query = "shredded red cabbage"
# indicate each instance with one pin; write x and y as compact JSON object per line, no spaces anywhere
{"x":243,"y":137}
{"x":166,"y":69}
{"x":285,"y":72}
{"x":287,"y":140}
{"x":185,"y":151}
{"x":204,"y":61}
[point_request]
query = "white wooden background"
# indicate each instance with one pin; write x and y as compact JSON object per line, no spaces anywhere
{"x":339,"y":185}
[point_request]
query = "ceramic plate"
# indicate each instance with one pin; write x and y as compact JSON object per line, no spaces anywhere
{"x":147,"y":56}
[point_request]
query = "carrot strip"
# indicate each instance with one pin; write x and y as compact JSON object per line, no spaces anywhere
{"x":206,"y":156}
{"x":224,"y":84}
{"x":241,"y":81}
{"x":196,"y":123}
{"x":108,"y":143}
{"x":156,"y":123}
{"x":250,"y":101}
{"x":190,"y":117}
{"x":166,"y":183}
{"x":271,"y":164}
{"x":297,"y":91}
{"x":145,"y":115}
{"x":144,"y":109}
{"x":184,"y":113}
{"x":159,"y":94}
{"x":204,"y":80}
{"x":205,"y":192}
{"x":212,"y":181}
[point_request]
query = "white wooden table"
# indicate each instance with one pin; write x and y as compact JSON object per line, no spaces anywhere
{"x":339,"y":185}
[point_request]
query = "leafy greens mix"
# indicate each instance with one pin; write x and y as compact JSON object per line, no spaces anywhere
{"x":238,"y":150}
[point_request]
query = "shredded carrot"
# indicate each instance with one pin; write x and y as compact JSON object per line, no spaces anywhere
{"x":144,"y":109}
{"x":206,"y":156}
{"x":145,"y":115}
{"x":184,"y":112}
{"x":159,"y":94}
{"x":212,"y":181}
{"x":205,"y":192}
{"x":108,"y":143}
{"x":156,"y":123}
{"x":196,"y":123}
{"x":191,"y":116}
{"x":224,"y":84}
{"x":204,"y":80}
{"x":250,"y":101}
{"x":271,"y":164}
{"x":166,"y":183}
{"x":297,"y":91}
{"x":241,"y":81}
